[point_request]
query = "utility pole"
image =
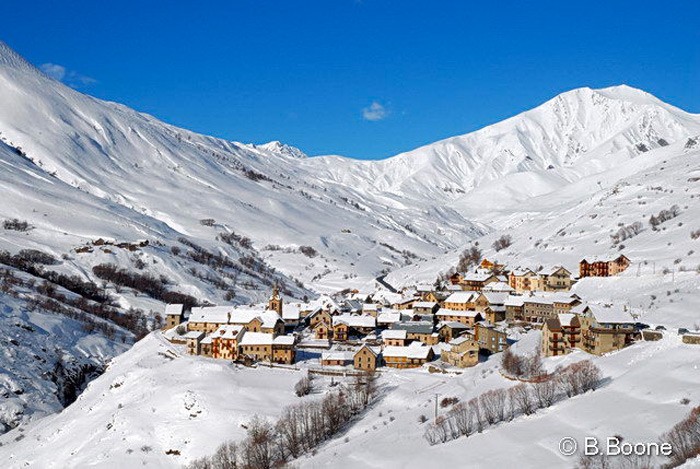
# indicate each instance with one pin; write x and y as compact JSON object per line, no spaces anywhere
{"x":436,"y":405}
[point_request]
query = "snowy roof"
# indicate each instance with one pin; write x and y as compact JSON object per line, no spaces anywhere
{"x":193,"y":335}
{"x":424,"y":304}
{"x":414,"y":327}
{"x":452,"y":325}
{"x":174,"y":309}
{"x":565,"y":319}
{"x":520,"y":272}
{"x":257,"y":338}
{"x":233,"y":315}
{"x":462,"y":314}
{"x":495,"y":298}
{"x":206,"y":340}
{"x":514,"y":300}
{"x":291,"y":311}
{"x":553,"y":269}
{"x":284,"y":340}
{"x":497,"y":287}
{"x":424,"y":287}
{"x":228,"y":331}
{"x":603,"y":258}
{"x":370,"y":307}
{"x":394,"y":334}
{"x":354,"y":320}
{"x":547,"y":298}
{"x":477,"y":276}
{"x":338,"y":355}
{"x":462,"y":297}
{"x":461,"y":339}
{"x":614,"y":315}
{"x":415,"y":350}
{"x":389,"y":317}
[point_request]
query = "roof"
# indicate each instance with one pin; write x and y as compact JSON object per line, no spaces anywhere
{"x":415,"y":350}
{"x":520,"y":272}
{"x":495,"y":298}
{"x":337,"y":355}
{"x":174,"y":309}
{"x":370,"y":306}
{"x":284,"y":340}
{"x":257,"y":338}
{"x":233,"y":315}
{"x":414,"y":327}
{"x":389,"y":317}
{"x":424,"y":304}
{"x":497,"y":287}
{"x":365,"y":346}
{"x":553,"y":324}
{"x":394,"y":334}
{"x":461,"y":339}
{"x":453,"y":325}
{"x":462,"y":297}
{"x":193,"y":335}
{"x":462,"y":314}
{"x":356,"y":320}
{"x":291,"y":311}
{"x":477,"y":276}
{"x":228,"y":331}
{"x":514,"y":300}
{"x":547,"y":298}
{"x":614,"y":315}
{"x":603,"y":258}
{"x":553,"y":269}
{"x":565,"y":319}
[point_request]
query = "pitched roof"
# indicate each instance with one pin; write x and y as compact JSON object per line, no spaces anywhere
{"x":414,"y":327}
{"x":228,"y":331}
{"x":462,"y":297}
{"x":233,"y":315}
{"x":394,"y":334}
{"x":355,"y":320}
{"x":257,"y":338}
{"x":389,"y":317}
{"x":462,"y":314}
{"x":338,"y":355}
{"x":498,"y":287}
{"x":416,"y":350}
{"x":174,"y":309}
{"x":424,"y":304}
{"x":613,"y":315}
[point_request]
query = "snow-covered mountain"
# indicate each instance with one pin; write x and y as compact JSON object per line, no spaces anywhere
{"x":226,"y":220}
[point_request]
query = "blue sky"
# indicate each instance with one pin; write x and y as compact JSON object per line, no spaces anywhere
{"x":368,"y":78}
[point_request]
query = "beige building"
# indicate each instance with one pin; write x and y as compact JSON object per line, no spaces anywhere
{"x":173,"y":315}
{"x":560,"y":335}
{"x":491,"y":338}
{"x":366,"y":359}
{"x":603,"y":267}
{"x":412,"y":356}
{"x":463,"y":352}
{"x":605,"y":329}
{"x":555,"y":279}
{"x":466,"y":317}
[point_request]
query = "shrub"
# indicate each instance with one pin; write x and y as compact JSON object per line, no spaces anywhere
{"x":207,"y":222}
{"x":16,"y":224}
{"x":502,"y":242}
{"x":308,"y":251}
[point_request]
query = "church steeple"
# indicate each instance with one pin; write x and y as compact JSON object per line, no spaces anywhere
{"x":275,"y":301}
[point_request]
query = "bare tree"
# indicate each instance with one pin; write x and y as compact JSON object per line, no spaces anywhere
{"x":522,"y":398}
{"x":502,"y":242}
{"x":546,"y":392}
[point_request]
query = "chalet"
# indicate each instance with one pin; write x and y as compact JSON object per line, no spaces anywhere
{"x":451,"y":330}
{"x":605,"y":329}
{"x":524,"y":280}
{"x":425,"y":307}
{"x":420,"y":331}
{"x":323,"y":331}
{"x":494,"y":266}
{"x":463,"y":352}
{"x":341,"y":331}
{"x":468,"y":318}
{"x":366,"y":359}
{"x":291,"y":314}
{"x":387,"y":318}
{"x":475,"y":281}
{"x":561,"y":334}
{"x":515,"y":308}
{"x":173,"y":315}
{"x":555,"y":279}
{"x":209,"y":318}
{"x":395,"y":337}
{"x":602,"y":267}
{"x":370,"y":309}
{"x":225,"y":340}
{"x":337,"y":358}
{"x":541,"y":306}
{"x":404,"y":303}
{"x":436,"y":297}
{"x":192,"y":340}
{"x":495,"y":311}
{"x":259,"y":346}
{"x":357,"y":324}
{"x":411,"y":356}
{"x":461,"y":301}
{"x":491,"y":338}
{"x":423,"y":290}
{"x":205,"y":346}
{"x":320,"y":315}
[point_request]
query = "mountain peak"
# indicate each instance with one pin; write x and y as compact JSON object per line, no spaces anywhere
{"x":280,"y":148}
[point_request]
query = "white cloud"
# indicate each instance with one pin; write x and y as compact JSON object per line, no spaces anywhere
{"x":69,"y":77}
{"x":375,"y":112}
